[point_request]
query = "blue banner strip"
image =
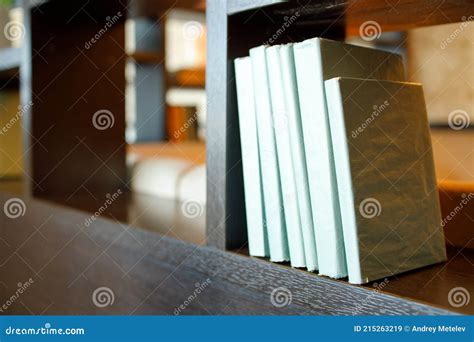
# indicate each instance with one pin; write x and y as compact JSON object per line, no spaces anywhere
{"x":232,"y":328}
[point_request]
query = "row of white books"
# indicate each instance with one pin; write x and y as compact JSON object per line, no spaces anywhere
{"x":336,"y":153}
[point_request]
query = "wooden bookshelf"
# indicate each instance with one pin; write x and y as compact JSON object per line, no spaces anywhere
{"x":147,"y":57}
{"x":239,"y":25}
{"x":187,"y":78}
{"x":236,"y":26}
{"x":71,"y":261}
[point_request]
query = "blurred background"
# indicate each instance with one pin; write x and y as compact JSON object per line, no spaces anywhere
{"x":165,"y":109}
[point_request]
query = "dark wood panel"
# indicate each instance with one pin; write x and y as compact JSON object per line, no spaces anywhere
{"x":147,"y":57}
{"x":390,"y":15}
{"x":236,"y":6}
{"x":76,"y":78}
{"x":152,"y":274}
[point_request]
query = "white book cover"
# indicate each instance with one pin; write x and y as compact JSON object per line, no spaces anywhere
{"x":316,"y":61}
{"x":298,"y":154}
{"x":285,"y":160}
{"x":257,"y":235}
{"x":385,"y":176}
{"x":272,"y":196}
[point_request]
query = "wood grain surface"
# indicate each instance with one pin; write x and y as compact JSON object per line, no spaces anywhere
{"x":148,"y":273}
{"x":66,"y":79}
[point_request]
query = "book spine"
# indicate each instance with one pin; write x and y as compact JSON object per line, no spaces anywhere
{"x":317,"y":140}
{"x":274,"y":214}
{"x":285,"y":161}
{"x":344,"y":179}
{"x":257,"y":235}
{"x":298,"y":154}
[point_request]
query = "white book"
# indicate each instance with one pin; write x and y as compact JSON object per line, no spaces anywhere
{"x":298,"y":154}
{"x":385,"y":176}
{"x":285,"y":160}
{"x":316,"y":61}
{"x":257,"y":235}
{"x":272,"y":196}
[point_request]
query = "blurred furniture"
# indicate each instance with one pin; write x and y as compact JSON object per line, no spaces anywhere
{"x":169,"y":170}
{"x":448,"y":50}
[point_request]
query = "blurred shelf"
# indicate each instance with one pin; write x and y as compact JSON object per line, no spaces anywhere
{"x":390,"y":15}
{"x":193,"y":151}
{"x":147,"y":57}
{"x":153,"y":8}
{"x":188,"y":78}
{"x":10,"y":58}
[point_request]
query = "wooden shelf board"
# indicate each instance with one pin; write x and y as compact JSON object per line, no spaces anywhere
{"x":236,"y":6}
{"x":192,"y":151}
{"x":430,"y":284}
{"x":147,"y":57}
{"x":67,"y":262}
{"x":189,"y":78}
{"x":391,"y":16}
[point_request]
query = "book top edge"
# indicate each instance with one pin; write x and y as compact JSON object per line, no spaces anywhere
{"x":354,"y":79}
{"x":238,"y":59}
{"x":273,"y":47}
{"x":322,"y":41}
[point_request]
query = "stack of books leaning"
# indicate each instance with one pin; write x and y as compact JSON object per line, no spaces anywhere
{"x":337,"y":162}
